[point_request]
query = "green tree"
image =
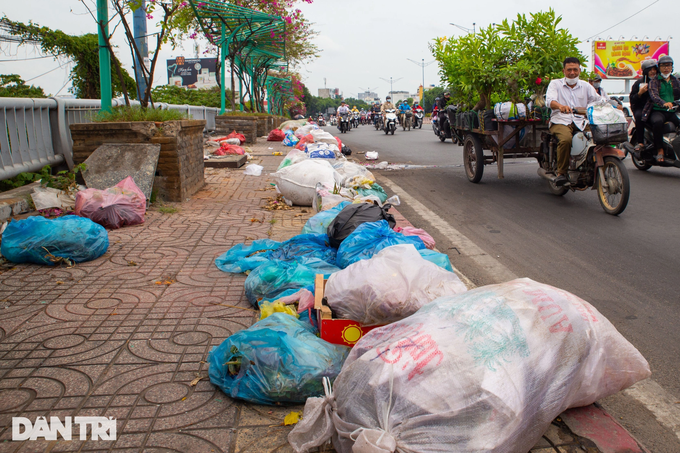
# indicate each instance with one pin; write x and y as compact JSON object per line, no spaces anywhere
{"x":13,"y":86}
{"x":429,"y":96}
{"x":505,"y":61}
{"x":82,"y":50}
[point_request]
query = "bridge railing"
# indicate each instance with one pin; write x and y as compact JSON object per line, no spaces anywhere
{"x":37,"y":131}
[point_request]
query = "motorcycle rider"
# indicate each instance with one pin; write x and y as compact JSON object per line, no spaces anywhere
{"x":376,"y":111}
{"x":403,"y":108}
{"x":344,"y":108}
{"x":387,"y":105}
{"x":564,"y":95}
{"x":663,"y":90}
{"x":639,"y":95}
{"x":597,"y":84}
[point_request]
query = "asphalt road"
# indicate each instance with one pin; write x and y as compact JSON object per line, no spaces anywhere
{"x":628,"y":266}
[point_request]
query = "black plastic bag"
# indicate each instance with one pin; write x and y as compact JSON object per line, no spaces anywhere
{"x":354,"y":215}
{"x":345,"y":150}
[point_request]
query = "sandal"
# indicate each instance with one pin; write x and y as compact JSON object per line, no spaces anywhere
{"x":658,"y":157}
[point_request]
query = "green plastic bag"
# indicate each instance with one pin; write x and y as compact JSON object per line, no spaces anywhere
{"x":375,"y":190}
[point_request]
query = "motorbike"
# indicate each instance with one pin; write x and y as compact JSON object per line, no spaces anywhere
{"x":391,"y":121}
{"x":333,"y":121}
{"x":355,"y":120}
{"x":644,"y":160}
{"x":593,"y":163}
{"x":344,"y":124}
{"x":362,"y":119}
{"x":407,"y":119}
{"x":418,"y":119}
{"x":442,"y":128}
{"x":377,"y":121}
{"x":321,"y":121}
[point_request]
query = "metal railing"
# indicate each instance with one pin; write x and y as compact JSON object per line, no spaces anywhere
{"x":37,"y":131}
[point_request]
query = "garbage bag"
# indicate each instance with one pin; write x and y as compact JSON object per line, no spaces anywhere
{"x":312,"y":250}
{"x":350,"y":170}
{"x":375,"y":190}
{"x":241,"y":137}
{"x":325,"y":198}
{"x":319,"y":151}
{"x":368,"y":239}
{"x":276,"y":360}
{"x":440,"y":259}
{"x":123,"y":204}
{"x":253,"y":170}
{"x":388,"y":287}
{"x":354,"y":215}
{"x":319,"y":223}
{"x":290,"y":139}
{"x":269,"y":280}
{"x":226,"y":148}
{"x":298,"y":182}
{"x":485,"y":370}
{"x":268,"y":308}
{"x":43,"y":241}
{"x":276,"y":135}
{"x":293,"y":157}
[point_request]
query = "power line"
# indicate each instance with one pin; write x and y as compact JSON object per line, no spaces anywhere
{"x":632,"y":15}
{"x":24,"y":59}
{"x":44,"y":73}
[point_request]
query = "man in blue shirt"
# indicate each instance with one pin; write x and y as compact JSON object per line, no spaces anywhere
{"x":403,"y":107}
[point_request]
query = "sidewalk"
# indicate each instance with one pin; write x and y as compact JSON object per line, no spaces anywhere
{"x":127,"y":335}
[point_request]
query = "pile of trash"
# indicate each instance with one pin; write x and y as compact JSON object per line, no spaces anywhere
{"x":79,"y":233}
{"x":222,"y":146}
{"x":446,"y":369}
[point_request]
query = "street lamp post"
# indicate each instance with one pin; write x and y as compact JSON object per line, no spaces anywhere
{"x":422,"y":64}
{"x":391,"y":81}
{"x":465,"y":29}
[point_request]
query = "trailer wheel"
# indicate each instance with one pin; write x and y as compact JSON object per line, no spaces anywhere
{"x":473,"y":158}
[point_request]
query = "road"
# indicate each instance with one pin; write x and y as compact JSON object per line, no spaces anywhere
{"x":628,"y":266}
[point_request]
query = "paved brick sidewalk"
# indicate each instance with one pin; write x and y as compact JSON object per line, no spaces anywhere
{"x":125,"y":335}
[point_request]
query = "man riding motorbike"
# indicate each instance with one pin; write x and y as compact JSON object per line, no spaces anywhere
{"x":387,"y":105}
{"x":343,"y":109}
{"x":417,"y":108}
{"x":639,"y":95}
{"x":403,"y":107}
{"x":563,"y":96}
{"x":376,"y":112}
{"x":663,"y":90}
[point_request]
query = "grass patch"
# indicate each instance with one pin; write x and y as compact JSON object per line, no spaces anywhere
{"x":168,"y":209}
{"x":245,"y":114}
{"x":128,"y":114}
{"x":273,"y":221}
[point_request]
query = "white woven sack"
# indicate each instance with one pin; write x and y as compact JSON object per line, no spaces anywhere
{"x":297,"y":182}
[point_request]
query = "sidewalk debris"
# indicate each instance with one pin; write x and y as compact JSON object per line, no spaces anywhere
{"x":388,"y":287}
{"x":277,"y":360}
{"x":253,"y":170}
{"x":123,"y":204}
{"x":492,"y":366}
{"x":51,"y":241}
{"x":371,"y":155}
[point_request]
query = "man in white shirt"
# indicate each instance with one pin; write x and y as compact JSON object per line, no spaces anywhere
{"x":563,"y":96}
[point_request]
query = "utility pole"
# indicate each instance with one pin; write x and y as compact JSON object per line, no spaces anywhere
{"x":422,"y":64}
{"x":139,"y":31}
{"x":104,"y":56}
{"x":391,"y":81}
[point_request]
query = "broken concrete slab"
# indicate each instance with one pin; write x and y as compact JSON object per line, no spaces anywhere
{"x":233,"y":161}
{"x":110,"y":163}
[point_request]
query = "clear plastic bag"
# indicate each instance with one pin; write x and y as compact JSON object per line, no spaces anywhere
{"x":123,"y":204}
{"x":278,"y":360}
{"x":44,"y":241}
{"x":318,"y":223}
{"x":269,"y":280}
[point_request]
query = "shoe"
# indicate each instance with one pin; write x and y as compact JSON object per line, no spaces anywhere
{"x":659,"y":158}
{"x":560,"y":180}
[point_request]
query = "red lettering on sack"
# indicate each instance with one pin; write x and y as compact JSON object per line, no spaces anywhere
{"x":560,"y":326}
{"x":545,"y":302}
{"x":421,"y":348}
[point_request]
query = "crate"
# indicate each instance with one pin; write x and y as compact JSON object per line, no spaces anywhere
{"x":337,"y":331}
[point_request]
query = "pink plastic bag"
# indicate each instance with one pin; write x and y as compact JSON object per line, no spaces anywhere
{"x":276,"y":135}
{"x":422,"y":234}
{"x":123,"y":204}
{"x":226,"y":148}
{"x":235,"y":134}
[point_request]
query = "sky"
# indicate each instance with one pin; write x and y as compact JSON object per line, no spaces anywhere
{"x":363,"y":42}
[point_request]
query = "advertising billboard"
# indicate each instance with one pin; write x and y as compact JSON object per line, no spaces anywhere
{"x":621,"y":59}
{"x":192,"y":72}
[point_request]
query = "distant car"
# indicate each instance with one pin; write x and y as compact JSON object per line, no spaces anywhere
{"x":625,"y":101}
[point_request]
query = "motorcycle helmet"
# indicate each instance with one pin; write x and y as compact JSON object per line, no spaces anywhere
{"x":647,"y":65}
{"x":447,"y":94}
{"x":665,"y":59}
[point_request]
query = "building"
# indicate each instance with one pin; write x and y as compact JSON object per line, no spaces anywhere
{"x":367,"y":96}
{"x":325,"y":93}
{"x":400,"y":96}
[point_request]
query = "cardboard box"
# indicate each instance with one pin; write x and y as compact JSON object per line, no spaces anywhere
{"x":338,"y":331}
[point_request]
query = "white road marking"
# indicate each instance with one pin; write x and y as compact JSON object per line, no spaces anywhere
{"x":655,"y":398}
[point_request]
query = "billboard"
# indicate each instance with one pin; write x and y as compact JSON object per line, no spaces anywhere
{"x":621,"y":59}
{"x":192,"y":72}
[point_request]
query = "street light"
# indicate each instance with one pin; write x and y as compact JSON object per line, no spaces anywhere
{"x":466,"y":30}
{"x":422,"y":64}
{"x":391,"y":81}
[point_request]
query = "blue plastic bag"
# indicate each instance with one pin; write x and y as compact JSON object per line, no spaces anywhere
{"x":318,"y":223}
{"x":322,"y":154}
{"x":440,"y":259}
{"x":271,"y":279}
{"x":291,"y":139}
{"x":368,"y":239}
{"x":312,"y":250}
{"x":73,"y":238}
{"x":276,"y":360}
{"x":242,"y":257}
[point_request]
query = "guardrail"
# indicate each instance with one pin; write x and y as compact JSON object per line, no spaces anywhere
{"x":37,"y":131}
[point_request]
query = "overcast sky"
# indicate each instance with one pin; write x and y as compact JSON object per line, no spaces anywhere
{"x":363,"y":41}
